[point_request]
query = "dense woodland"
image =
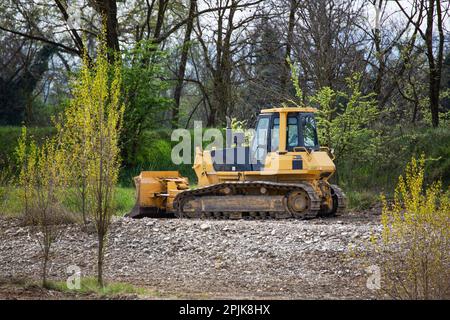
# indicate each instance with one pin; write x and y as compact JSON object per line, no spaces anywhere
{"x":90,"y":91}
{"x":378,"y":70}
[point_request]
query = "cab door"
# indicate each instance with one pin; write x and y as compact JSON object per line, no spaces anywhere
{"x":260,"y":143}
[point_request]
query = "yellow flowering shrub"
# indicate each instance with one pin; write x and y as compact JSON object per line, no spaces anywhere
{"x":413,"y":251}
{"x":42,"y":185}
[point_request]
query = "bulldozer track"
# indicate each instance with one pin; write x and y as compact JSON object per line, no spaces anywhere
{"x":342,"y":200}
{"x":339,"y":202}
{"x":277,"y":209}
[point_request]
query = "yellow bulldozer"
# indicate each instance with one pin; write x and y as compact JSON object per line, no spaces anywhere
{"x":282,"y":173}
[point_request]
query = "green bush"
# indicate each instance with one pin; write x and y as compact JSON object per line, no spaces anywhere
{"x":379,"y":172}
{"x":362,"y":200}
{"x":154,"y":154}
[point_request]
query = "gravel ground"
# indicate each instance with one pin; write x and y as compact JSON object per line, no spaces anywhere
{"x":287,"y":259}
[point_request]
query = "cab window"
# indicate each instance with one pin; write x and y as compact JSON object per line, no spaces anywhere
{"x":275,"y":135}
{"x":309,"y":132}
{"x":260,"y":140}
{"x":292,"y":132}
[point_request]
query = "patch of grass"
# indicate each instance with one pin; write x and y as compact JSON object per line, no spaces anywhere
{"x":125,"y":200}
{"x":362,"y":200}
{"x":89,"y":286}
{"x":10,"y":201}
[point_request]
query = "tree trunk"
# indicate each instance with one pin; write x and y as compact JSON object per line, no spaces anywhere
{"x":183,"y":61}
{"x":44,"y":270}
{"x":414,"y":116}
{"x":224,"y":69}
{"x":101,"y":241}
{"x":435,"y":65}
{"x":434,"y":98}
{"x":440,"y":61}
{"x":83,"y":203}
{"x":162,"y":6}
{"x":379,"y":55}
{"x":46,"y":253}
{"x":290,"y":34}
{"x":108,"y":9}
{"x":211,"y":117}
{"x":147,"y":19}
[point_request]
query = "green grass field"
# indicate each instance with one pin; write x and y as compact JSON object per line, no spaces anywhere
{"x":90,"y":286}
{"x":10,"y":202}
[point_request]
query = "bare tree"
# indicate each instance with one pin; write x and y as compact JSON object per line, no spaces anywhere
{"x":219,"y":44}
{"x":388,"y":49}
{"x":431,"y":13}
{"x":183,"y":62}
{"x":328,"y":45}
{"x":289,"y":40}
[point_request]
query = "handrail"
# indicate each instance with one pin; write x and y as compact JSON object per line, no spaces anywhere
{"x":329,"y":151}
{"x":299,"y":149}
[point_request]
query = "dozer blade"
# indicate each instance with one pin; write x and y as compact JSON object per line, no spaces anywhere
{"x":155,"y":191}
{"x":134,"y":213}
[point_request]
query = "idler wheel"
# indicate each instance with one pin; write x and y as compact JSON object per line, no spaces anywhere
{"x":298,"y":203}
